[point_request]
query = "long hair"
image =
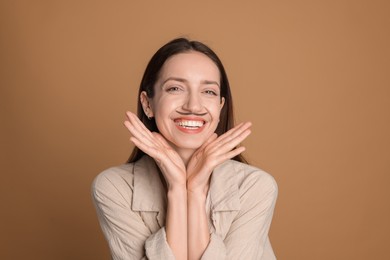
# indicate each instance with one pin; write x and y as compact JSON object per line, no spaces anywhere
{"x":176,"y":46}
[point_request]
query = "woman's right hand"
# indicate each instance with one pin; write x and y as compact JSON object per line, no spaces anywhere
{"x":155,"y":145}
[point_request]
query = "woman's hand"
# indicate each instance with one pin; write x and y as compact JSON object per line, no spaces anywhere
{"x":212,"y":153}
{"x":155,"y":145}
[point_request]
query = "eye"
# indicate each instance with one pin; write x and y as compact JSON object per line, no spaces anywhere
{"x":211,"y":92}
{"x":173,"y":89}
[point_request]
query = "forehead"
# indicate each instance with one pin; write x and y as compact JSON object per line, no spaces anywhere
{"x":190,"y":65}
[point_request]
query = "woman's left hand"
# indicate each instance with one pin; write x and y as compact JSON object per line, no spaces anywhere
{"x":212,"y":153}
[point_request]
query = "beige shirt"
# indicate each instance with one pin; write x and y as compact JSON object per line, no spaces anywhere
{"x":131,"y":205}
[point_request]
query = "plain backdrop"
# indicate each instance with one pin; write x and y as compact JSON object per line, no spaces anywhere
{"x":312,"y":76}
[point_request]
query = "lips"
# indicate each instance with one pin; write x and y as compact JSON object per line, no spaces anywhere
{"x":192,"y":125}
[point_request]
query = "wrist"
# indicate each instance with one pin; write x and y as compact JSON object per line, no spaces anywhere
{"x":194,"y":189}
{"x":198,"y":194}
{"x":177,"y":190}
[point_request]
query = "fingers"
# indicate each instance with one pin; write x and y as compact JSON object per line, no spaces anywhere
{"x":231,"y":154}
{"x":136,"y":121}
{"x":231,"y":138}
{"x":138,"y":129}
{"x":217,"y":150}
{"x":134,"y":124}
{"x":141,"y":136}
{"x":151,"y":151}
{"x":235,"y":132}
{"x":213,"y":137}
{"x":161,"y":140}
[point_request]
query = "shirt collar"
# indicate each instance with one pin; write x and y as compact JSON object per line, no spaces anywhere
{"x":149,"y":193}
{"x":224,"y":192}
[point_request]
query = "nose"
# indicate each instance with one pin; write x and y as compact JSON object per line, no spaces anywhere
{"x":193,"y":103}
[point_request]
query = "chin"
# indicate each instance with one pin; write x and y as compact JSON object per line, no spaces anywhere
{"x":190,"y":144}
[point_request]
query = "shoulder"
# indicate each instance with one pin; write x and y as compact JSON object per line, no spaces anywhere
{"x":114,"y":176}
{"x":114,"y":180}
{"x":119,"y":182}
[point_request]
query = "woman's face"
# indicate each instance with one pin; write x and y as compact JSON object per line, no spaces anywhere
{"x":187,"y":101}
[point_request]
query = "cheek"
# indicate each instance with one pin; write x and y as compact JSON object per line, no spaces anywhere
{"x":163,"y":110}
{"x":215,"y":110}
{"x":165,"y":101}
{"x":160,"y":106}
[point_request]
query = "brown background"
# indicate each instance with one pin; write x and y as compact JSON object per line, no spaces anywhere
{"x":312,"y":76}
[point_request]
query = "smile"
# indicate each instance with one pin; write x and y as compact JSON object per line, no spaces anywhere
{"x":190,"y":124}
{"x":185,"y":124}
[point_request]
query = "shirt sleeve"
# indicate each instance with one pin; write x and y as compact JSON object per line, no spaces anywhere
{"x":247,"y":237}
{"x":125,"y":231}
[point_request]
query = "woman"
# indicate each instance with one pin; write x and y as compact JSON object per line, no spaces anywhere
{"x":186,"y":192}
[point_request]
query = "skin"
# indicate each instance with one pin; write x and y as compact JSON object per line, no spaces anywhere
{"x":187,"y":92}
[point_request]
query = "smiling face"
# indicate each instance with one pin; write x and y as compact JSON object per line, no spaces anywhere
{"x":187,"y":101}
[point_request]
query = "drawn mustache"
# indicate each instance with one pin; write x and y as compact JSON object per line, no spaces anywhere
{"x":191,"y":113}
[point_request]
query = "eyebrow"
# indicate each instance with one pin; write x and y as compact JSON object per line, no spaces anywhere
{"x":207,"y":82}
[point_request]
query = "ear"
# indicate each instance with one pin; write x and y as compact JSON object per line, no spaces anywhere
{"x":222,"y":102}
{"x":146,"y":104}
{"x":220,"y":107}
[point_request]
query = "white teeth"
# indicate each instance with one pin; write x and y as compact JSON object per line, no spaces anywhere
{"x":186,"y":123}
